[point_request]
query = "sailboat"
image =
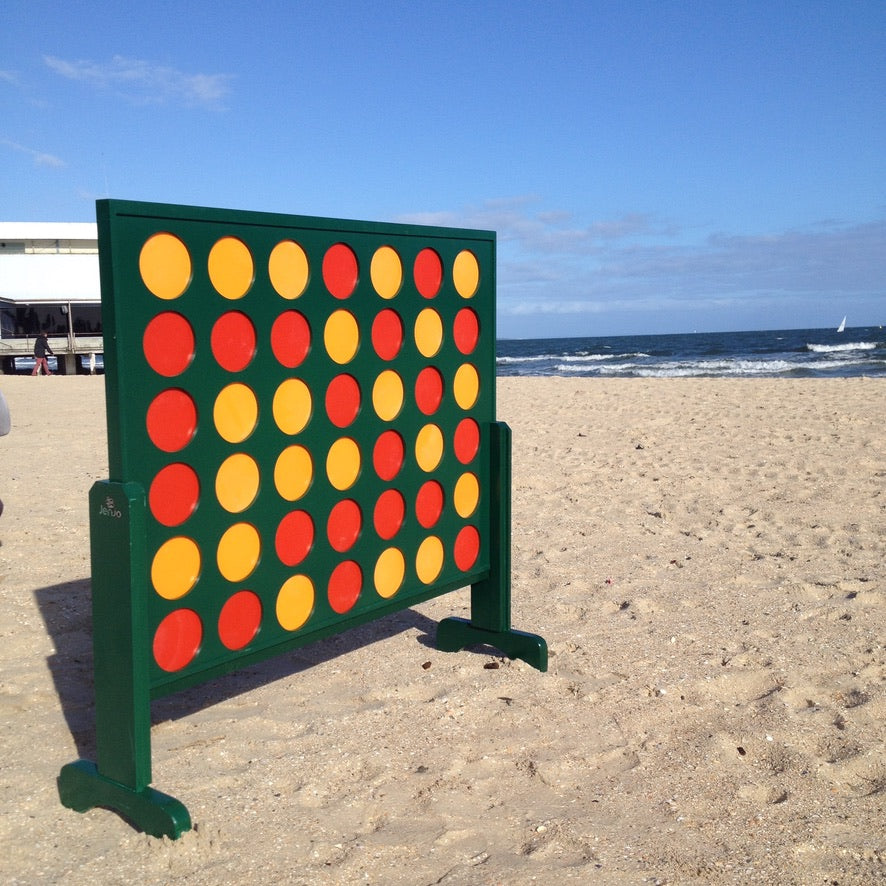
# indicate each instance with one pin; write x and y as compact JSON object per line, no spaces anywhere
{"x":842,"y":325}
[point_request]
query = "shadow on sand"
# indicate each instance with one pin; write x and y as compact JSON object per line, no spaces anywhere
{"x":66,"y":611}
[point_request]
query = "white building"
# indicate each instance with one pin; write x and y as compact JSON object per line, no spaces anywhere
{"x":49,"y":282}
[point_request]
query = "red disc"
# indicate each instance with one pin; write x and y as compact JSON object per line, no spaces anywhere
{"x":387,"y":334}
{"x":344,"y":586}
{"x":239,"y":620}
{"x":428,"y":273}
{"x":388,"y":454}
{"x":340,"y":270}
{"x":342,"y":400}
{"x":429,"y":390}
{"x":171,"y":420}
{"x":390,"y":509}
{"x":290,"y":339}
{"x":466,"y":440}
{"x":233,"y":341}
{"x":177,"y":639}
{"x":173,"y":495}
{"x":168,"y":343}
{"x":467,"y":548}
{"x":344,"y":524}
{"x":429,"y":503}
{"x":466,"y":330}
{"x":294,"y":538}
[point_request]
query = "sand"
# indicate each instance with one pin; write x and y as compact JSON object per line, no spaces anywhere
{"x":706,"y":561}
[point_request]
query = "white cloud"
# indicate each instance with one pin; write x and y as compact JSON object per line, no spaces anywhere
{"x":145,"y":82}
{"x":553,"y":265}
{"x":544,"y":231}
{"x":40,"y":158}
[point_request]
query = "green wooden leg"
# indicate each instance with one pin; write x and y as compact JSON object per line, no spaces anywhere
{"x":81,"y":787}
{"x":490,"y":622}
{"x":457,"y":633}
{"x":120,"y":778}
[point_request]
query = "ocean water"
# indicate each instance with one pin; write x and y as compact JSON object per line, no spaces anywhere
{"x":789,"y":353}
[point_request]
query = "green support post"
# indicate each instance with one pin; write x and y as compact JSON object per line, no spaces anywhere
{"x":490,"y":622}
{"x":120,"y":779}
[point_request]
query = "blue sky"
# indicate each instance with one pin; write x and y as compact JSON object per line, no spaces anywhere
{"x":648,"y":166}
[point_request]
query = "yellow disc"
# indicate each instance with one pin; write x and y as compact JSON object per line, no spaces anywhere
{"x":165,"y":266}
{"x":236,"y":482}
{"x":466,"y":495}
{"x":235,"y":412}
{"x":428,"y":332}
{"x":429,"y":447}
{"x":341,"y":336}
{"x":466,"y":274}
{"x":292,"y":406}
{"x":293,"y":472}
{"x":238,"y":551}
{"x":466,"y":385}
{"x":288,"y":269}
{"x":386,"y":272}
{"x":230,"y":267}
{"x":390,"y":569}
{"x":176,"y":567}
{"x":295,"y":602}
{"x":387,"y":395}
{"x":343,"y":463}
{"x":429,"y":559}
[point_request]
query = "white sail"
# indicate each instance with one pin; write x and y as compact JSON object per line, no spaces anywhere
{"x":842,"y":325}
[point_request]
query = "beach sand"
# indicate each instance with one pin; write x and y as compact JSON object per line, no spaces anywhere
{"x":707,"y":561}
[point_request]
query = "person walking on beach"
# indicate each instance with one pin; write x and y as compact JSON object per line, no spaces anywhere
{"x":41,"y":349}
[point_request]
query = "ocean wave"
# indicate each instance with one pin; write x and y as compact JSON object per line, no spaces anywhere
{"x":848,"y":346}
{"x":722,"y":369}
{"x":578,"y":359}
{"x":597,"y":358}
{"x":689,"y":369}
{"x":535,"y":358}
{"x":779,"y":354}
{"x":714,"y":368}
{"x":588,"y":358}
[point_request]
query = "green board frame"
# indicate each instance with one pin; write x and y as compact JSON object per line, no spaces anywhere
{"x":301,"y":438}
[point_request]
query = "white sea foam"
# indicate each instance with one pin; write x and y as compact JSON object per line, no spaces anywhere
{"x":587,"y":358}
{"x":537,"y":358}
{"x":716,"y":368}
{"x":596,"y":358}
{"x":848,"y":346}
{"x":687,"y":369}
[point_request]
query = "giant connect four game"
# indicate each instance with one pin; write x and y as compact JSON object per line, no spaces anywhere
{"x":302,"y":438}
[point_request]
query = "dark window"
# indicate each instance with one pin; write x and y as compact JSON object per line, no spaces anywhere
{"x":86,"y":319}
{"x":25,"y":321}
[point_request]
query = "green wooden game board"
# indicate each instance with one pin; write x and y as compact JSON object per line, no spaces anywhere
{"x":302,"y":438}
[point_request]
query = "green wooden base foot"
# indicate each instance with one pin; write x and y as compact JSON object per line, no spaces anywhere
{"x":81,"y":787}
{"x":456,"y":633}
